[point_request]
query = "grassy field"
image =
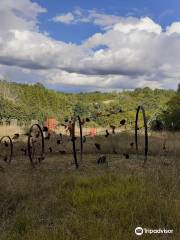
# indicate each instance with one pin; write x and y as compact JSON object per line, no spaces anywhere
{"x":55,"y":201}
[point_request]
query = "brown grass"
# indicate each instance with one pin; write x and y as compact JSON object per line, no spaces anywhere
{"x":55,"y":201}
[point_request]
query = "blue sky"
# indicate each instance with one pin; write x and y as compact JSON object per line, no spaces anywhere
{"x":162,"y":11}
{"x":88,"y":45}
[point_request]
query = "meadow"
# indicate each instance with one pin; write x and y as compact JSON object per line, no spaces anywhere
{"x":56,"y":201}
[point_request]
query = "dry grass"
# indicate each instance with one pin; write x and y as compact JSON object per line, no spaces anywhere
{"x":164,"y":144}
{"x":10,"y":130}
{"x":55,"y":201}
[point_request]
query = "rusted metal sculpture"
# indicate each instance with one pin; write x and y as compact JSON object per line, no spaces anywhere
{"x":141,"y":108}
{"x":77,"y":120}
{"x":35,"y":142}
{"x":7,"y":153}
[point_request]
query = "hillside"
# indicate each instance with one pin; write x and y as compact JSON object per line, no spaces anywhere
{"x":26,"y":102}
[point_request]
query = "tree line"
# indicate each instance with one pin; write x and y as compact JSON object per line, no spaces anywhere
{"x":26,"y":102}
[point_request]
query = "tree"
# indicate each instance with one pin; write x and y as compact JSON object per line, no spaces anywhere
{"x":172,"y":114}
{"x":40,"y":85}
{"x":178,"y":87}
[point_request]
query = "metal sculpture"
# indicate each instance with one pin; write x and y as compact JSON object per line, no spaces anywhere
{"x":35,"y":144}
{"x":7,"y":152}
{"x":141,"y":108}
{"x":37,"y":137}
{"x":77,"y":120}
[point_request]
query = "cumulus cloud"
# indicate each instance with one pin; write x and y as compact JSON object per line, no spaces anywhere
{"x":174,"y":28}
{"x":105,"y":21}
{"x":34,"y":50}
{"x":131,"y":52}
{"x":19,"y":14}
{"x":66,"y":18}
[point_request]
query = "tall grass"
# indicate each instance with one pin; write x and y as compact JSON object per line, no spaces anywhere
{"x":55,"y":201}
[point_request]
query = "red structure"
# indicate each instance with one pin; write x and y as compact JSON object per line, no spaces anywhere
{"x":51,"y":123}
{"x":93,"y":132}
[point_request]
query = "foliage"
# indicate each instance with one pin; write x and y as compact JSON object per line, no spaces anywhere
{"x":54,"y":203}
{"x":172,"y":115}
{"x":26,"y":102}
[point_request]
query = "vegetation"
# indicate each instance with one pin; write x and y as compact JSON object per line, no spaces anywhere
{"x":98,"y":201}
{"x":56,"y":202}
{"x":172,"y":114}
{"x":26,"y":102}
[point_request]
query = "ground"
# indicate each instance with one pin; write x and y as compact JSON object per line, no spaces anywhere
{"x":56,"y":201}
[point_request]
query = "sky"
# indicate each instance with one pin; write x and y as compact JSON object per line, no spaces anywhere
{"x":77,"y":45}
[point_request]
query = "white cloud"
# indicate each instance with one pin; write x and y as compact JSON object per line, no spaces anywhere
{"x":143,"y":24}
{"x":131,"y":52}
{"x":19,"y":14}
{"x":67,"y":18}
{"x":174,"y":28}
{"x":79,"y":16}
{"x":107,"y":21}
{"x":103,"y":20}
{"x":34,"y":50}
